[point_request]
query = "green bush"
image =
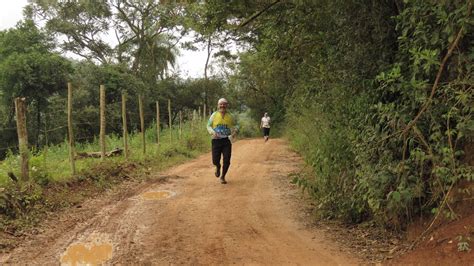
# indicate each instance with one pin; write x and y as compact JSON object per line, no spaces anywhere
{"x":361,"y":104}
{"x":249,"y":128}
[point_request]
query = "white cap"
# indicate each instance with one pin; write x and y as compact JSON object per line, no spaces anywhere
{"x":222,"y":100}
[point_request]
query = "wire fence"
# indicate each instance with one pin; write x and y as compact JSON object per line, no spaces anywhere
{"x":80,"y":128}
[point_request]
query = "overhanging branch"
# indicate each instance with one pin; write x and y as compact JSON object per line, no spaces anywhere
{"x":256,"y":15}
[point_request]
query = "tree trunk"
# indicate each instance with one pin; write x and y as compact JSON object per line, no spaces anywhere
{"x":209,"y":50}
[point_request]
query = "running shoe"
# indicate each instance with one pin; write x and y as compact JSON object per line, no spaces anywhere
{"x":217,"y":173}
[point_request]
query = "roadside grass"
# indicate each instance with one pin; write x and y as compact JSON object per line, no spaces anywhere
{"x":51,"y":164}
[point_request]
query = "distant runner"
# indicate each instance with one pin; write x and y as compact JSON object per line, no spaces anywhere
{"x":265,"y":124}
{"x":221,"y":126}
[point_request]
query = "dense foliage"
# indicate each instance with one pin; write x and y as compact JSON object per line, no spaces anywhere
{"x":377,"y":95}
{"x":29,"y":68}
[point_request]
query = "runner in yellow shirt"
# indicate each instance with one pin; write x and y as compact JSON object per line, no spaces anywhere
{"x":222,"y":125}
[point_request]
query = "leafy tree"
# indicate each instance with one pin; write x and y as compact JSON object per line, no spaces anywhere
{"x":29,"y":68}
{"x":144,"y":32}
{"x":214,"y":24}
{"x":83,"y":24}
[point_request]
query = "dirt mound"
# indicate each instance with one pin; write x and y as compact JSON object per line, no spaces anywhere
{"x":451,"y":242}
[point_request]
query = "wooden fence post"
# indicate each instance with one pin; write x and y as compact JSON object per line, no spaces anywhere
{"x":102,"y":122}
{"x":142,"y":122}
{"x":124,"y":124}
{"x":46,"y":142}
{"x":170,"y":123}
{"x":20,"y":109}
{"x":180,"y":124}
{"x":193,"y":117}
{"x":204,"y":114}
{"x":158,"y":123}
{"x":70,"y":129}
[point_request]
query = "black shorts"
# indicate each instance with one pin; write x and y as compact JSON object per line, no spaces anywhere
{"x":266,"y":131}
{"x":221,"y":148}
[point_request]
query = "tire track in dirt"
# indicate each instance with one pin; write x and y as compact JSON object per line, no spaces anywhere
{"x":205,"y":222}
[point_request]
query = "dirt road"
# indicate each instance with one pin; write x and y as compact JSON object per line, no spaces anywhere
{"x":192,"y":219}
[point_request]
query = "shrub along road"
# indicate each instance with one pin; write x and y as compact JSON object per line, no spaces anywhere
{"x":248,"y":221}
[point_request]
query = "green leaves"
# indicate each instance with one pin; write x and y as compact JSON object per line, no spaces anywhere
{"x":395,"y":196}
{"x":464,"y":243}
{"x":28,"y":67}
{"x":351,"y":97}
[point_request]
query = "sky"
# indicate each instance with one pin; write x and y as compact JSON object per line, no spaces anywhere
{"x":190,"y":64}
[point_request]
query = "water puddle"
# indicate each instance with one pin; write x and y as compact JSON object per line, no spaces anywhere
{"x":157,"y":195}
{"x":87,"y":254}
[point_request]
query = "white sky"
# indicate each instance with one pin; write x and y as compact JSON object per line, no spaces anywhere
{"x":190,"y":64}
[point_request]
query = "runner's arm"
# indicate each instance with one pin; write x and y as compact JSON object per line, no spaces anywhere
{"x":209,"y":126}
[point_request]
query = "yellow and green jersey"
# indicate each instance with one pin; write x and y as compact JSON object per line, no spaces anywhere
{"x":222,"y":125}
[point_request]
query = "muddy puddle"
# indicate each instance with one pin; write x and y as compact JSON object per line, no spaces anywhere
{"x":157,"y":195}
{"x":94,"y":251}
